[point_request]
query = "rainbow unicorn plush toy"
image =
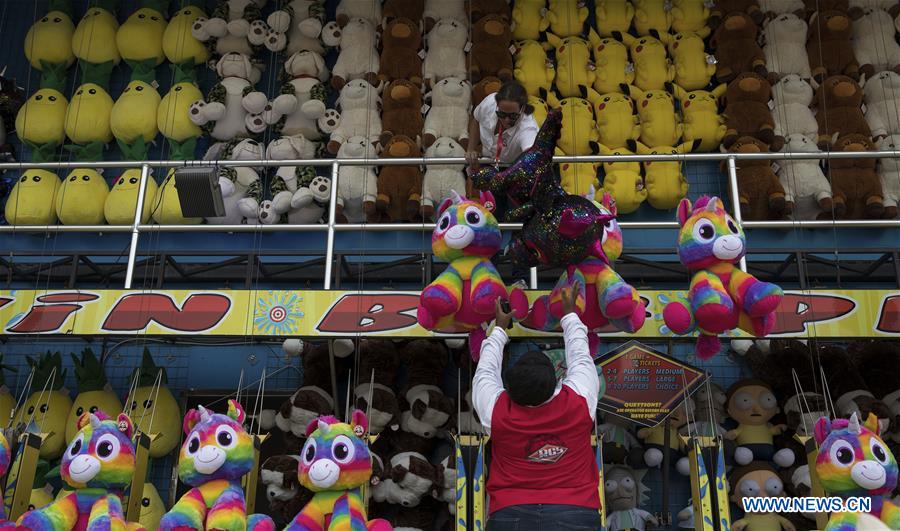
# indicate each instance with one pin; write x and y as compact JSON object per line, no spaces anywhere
{"x":604,"y":297}
{"x":334,"y":463}
{"x":853,"y":461}
{"x":216,"y":453}
{"x":5,"y":457}
{"x":98,"y":464}
{"x":721,"y":296}
{"x":462,"y":298}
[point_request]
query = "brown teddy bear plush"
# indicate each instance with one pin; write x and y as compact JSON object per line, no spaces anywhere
{"x":402,"y":111}
{"x":760,"y":191}
{"x":747,"y":111}
{"x":490,"y":55}
{"x":482,"y":8}
{"x":399,"y":187}
{"x":487,"y":85}
{"x":839,"y":100}
{"x":855,"y":185}
{"x":829,"y":48}
{"x":411,"y":9}
{"x":737,"y":49}
{"x":402,"y":40}
{"x":723,"y":8}
{"x":378,"y":364}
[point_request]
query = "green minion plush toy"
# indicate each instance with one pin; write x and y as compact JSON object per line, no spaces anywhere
{"x":48,"y":43}
{"x":173,"y":116}
{"x":140,"y":38}
{"x":32,"y":201}
{"x":178,"y":42}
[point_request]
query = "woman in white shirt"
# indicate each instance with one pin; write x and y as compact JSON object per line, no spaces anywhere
{"x":502,"y":126}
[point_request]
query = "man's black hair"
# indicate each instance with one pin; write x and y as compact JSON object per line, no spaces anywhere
{"x":531,"y":380}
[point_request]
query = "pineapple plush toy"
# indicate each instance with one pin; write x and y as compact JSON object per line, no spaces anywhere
{"x":140,"y":38}
{"x":94,"y":41}
{"x":94,"y":392}
{"x":148,"y":404}
{"x":32,"y":200}
{"x":7,"y":401}
{"x":179,"y":44}
{"x":173,"y":118}
{"x":48,"y":43}
{"x":47,"y":408}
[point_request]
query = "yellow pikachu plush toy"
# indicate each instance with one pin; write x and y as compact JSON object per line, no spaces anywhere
{"x":616,"y":121}
{"x":32,"y":200}
{"x":579,"y":178}
{"x":566,"y":18}
{"x":140,"y":38}
{"x":623,"y":180}
{"x":652,"y":68}
{"x":694,"y":68}
{"x":613,"y":67}
{"x":541,"y":109}
{"x":652,"y":17}
{"x":533,"y":69}
{"x":528,"y":19}
{"x":702,"y":121}
{"x":660,"y":125}
{"x":689,"y":15}
{"x":81,"y":198}
{"x":48,"y":43}
{"x":575,"y":71}
{"x":613,"y":17}
{"x":665,"y":181}
{"x":87,"y":116}
{"x":578,"y":135}
{"x":179,"y":43}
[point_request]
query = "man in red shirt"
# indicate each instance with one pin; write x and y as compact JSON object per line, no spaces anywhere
{"x":542,"y":471}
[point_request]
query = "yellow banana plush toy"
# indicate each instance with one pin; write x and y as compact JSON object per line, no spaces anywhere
{"x":32,"y":200}
{"x":179,"y":44}
{"x":566,"y":18}
{"x":48,"y":43}
{"x":575,"y":71}
{"x":613,"y":17}
{"x":660,"y":125}
{"x":140,"y":38}
{"x":623,"y":180}
{"x":579,"y":178}
{"x":616,"y":121}
{"x":702,"y":121}
{"x":689,"y":15}
{"x":533,"y":69}
{"x":693,"y":66}
{"x":665,"y":181}
{"x":652,"y":68}
{"x":578,"y":135}
{"x":528,"y":20}
{"x":94,"y":41}
{"x":613,"y":67}
{"x":652,"y":17}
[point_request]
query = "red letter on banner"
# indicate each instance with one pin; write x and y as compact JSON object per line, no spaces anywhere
{"x":51,"y":314}
{"x":358,"y":314}
{"x":889,"y":319}
{"x":199,"y":313}
{"x":797,"y":310}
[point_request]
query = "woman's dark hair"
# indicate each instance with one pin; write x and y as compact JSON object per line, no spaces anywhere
{"x":531,"y":380}
{"x":512,"y":90}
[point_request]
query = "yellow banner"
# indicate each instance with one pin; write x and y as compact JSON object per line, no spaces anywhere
{"x":837,"y":313}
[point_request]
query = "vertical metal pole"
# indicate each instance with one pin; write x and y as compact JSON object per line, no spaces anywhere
{"x":136,"y":227}
{"x":329,"y":248}
{"x":532,"y":281}
{"x":735,"y":200}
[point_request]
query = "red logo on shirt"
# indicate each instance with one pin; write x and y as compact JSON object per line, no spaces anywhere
{"x":546,"y":449}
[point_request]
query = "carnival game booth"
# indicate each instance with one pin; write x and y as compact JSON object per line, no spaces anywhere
{"x":198,"y":208}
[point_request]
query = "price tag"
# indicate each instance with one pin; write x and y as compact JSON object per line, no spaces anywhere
{"x":864,"y":108}
{"x":775,"y":167}
{"x":421,"y":54}
{"x":711,"y":59}
{"x":154,"y":84}
{"x":425,"y":108}
{"x":709,"y":4}
{"x":513,"y":49}
{"x":629,"y":67}
{"x":771,"y":105}
{"x":468,"y":46}
{"x":591,"y":66}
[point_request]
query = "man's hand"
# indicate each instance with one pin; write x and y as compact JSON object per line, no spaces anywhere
{"x":472,"y":160}
{"x":570,"y":298}
{"x":503,"y":319}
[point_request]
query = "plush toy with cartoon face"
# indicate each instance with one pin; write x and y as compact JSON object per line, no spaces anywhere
{"x":357,"y":185}
{"x":752,"y":404}
{"x":234,"y":26}
{"x":617,"y":122}
{"x":839,"y":100}
{"x":807,"y":191}
{"x":173,"y":118}
{"x":660,"y":125}
{"x":702,"y":120}
{"x":153,"y":408}
{"x":528,"y":22}
{"x":883,"y":103}
{"x":98,"y":465}
{"x":232,"y":109}
{"x":140,"y":38}
{"x":753,"y":481}
{"x":830,"y":46}
{"x":665,"y":180}
{"x":88,"y":115}
{"x":575,"y":71}
{"x":872,"y":45}
{"x":654,"y":439}
{"x":32,"y":200}
{"x":694,"y":68}
{"x":178,"y":42}
{"x":721,"y":296}
{"x":533,"y":69}
{"x":401,"y":42}
{"x":613,"y":17}
{"x":94,"y":392}
{"x":785,"y":46}
{"x":791,"y":111}
{"x":41,"y":122}
{"x":133,"y":119}
{"x":625,"y":491}
{"x":94,"y":40}
{"x":736,"y":48}
{"x":689,"y":15}
{"x":359,"y":104}
{"x":48,"y":43}
{"x":613,"y":66}
{"x":81,"y":199}
{"x":358,"y":58}
{"x":216,"y":454}
{"x":441,"y":179}
{"x":446,"y":50}
{"x":449,"y":113}
{"x":652,"y":67}
{"x":296,"y":26}
{"x":747,"y":110}
{"x":579,"y":178}
{"x":48,"y":408}
{"x":578,"y":135}
{"x":624,"y":181}
{"x":760,"y":193}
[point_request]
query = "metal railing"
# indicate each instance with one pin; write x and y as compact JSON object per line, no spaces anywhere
{"x":331,"y":228}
